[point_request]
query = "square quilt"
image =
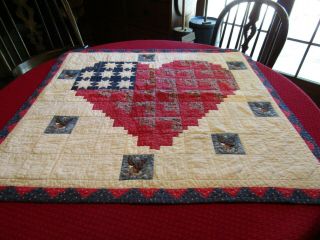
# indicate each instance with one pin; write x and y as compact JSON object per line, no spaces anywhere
{"x":171,"y":126}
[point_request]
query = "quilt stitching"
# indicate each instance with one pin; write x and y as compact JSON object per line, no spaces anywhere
{"x":239,"y":194}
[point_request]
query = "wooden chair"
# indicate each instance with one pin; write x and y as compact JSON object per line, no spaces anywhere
{"x":58,"y":27}
{"x":275,"y":34}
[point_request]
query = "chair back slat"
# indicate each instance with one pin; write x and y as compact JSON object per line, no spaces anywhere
{"x":73,"y":21}
{"x":4,"y":59}
{"x":251,"y":26}
{"x":54,"y":24}
{"x":10,"y":39}
{"x":44,"y":23}
{"x":258,"y":32}
{"x":244,"y":20}
{"x":6,"y":56}
{"x":224,"y":30}
{"x":15,"y":28}
{"x":60,"y":17}
{"x":232,"y":28}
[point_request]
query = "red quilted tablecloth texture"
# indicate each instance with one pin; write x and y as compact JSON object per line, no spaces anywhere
{"x":195,"y":221}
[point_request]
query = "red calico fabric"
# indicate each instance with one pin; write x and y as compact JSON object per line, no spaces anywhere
{"x":196,"y":221}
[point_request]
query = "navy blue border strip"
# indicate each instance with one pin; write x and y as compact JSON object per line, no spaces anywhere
{"x":160,"y":196}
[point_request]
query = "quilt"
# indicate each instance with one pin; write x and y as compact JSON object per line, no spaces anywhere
{"x":157,"y":126}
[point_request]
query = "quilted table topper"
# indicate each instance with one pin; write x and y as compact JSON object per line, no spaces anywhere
{"x":174,"y":126}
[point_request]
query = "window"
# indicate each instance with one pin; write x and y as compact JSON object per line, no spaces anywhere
{"x":300,"y":56}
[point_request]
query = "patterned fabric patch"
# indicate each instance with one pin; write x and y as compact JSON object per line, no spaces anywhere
{"x":227,"y":143}
{"x":146,"y":57}
{"x":107,"y":75}
{"x":235,"y":65}
{"x":262,"y":109}
{"x":61,"y":125}
{"x":137,"y":167}
{"x":69,"y":74}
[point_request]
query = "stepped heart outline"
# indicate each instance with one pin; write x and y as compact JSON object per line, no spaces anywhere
{"x":157,"y":104}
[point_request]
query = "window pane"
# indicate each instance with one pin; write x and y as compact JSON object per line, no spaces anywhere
{"x":268,"y":18}
{"x":232,"y":15}
{"x":290,"y":57}
{"x":215,"y":7}
{"x":242,"y":11}
{"x":311,"y":66}
{"x":234,"y":37}
{"x":256,"y":52}
{"x":317,"y":37}
{"x":304,"y":18}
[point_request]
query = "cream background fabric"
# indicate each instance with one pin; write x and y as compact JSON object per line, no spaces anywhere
{"x":91,"y":156}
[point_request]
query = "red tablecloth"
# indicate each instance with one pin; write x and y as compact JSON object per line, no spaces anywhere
{"x":196,"y":221}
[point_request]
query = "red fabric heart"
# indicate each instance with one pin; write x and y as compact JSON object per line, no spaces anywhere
{"x":164,"y":101}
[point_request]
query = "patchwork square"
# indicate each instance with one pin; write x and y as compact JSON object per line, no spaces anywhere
{"x":227,"y":143}
{"x":262,"y":109}
{"x":136,"y":167}
{"x":69,"y":74}
{"x":236,"y":65}
{"x":146,"y":57}
{"x":107,"y":75}
{"x":61,"y":125}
